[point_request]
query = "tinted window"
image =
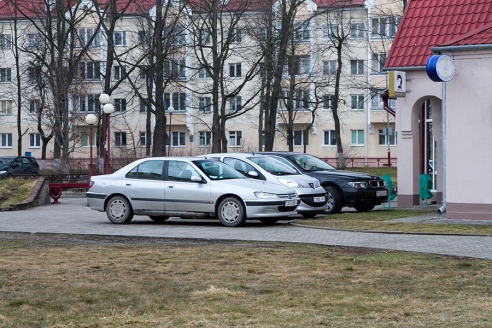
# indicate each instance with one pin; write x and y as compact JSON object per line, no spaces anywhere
{"x":151,"y":170}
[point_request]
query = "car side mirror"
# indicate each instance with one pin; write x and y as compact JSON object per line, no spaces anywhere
{"x":253,"y":174}
{"x":196,"y":178}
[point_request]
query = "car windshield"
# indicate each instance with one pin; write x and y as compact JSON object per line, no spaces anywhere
{"x":272,"y":165}
{"x":311,"y":163}
{"x":217,"y":170}
{"x":5,"y":160}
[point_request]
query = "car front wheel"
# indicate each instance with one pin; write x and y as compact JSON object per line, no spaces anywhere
{"x":335,"y":200}
{"x":119,"y":210}
{"x":231,"y":212}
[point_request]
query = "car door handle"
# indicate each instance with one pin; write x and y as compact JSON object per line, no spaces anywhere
{"x":170,"y":187}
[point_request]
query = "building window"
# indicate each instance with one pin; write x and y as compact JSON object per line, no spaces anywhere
{"x":178,"y":35}
{"x":120,"y":139}
{"x":5,"y":140}
{"x":357,"y":102}
{"x":120,"y":38}
{"x":236,"y":35}
{"x":143,"y":105}
{"x":143,"y":38}
{"x":143,"y":139}
{"x":5,"y":74}
{"x":357,"y":67}
{"x":86,"y":36}
{"x":357,"y":31}
{"x":33,"y":73}
{"x":119,"y":72}
{"x":384,"y":26}
{"x":144,"y":72}
{"x":85,"y":140}
{"x":329,"y":67}
{"x":378,"y":61}
{"x":178,"y":139}
{"x":298,"y":137}
{"x":328,"y":102}
{"x":357,"y":137}
{"x":5,"y":41}
{"x":235,"y":70}
{"x":329,"y":138}
{"x":34,"y":40}
{"x":300,"y":65}
{"x":300,"y":100}
{"x":86,"y":103}
{"x":203,"y":73}
{"x":330,"y":31}
{"x":34,"y":106}
{"x":235,"y":138}
{"x":120,"y":105}
{"x":235,"y":104}
{"x":178,"y":101}
{"x":6,"y":107}
{"x":301,"y":31}
{"x":175,"y":68}
{"x":204,"y":36}
{"x":90,"y":70}
{"x":205,"y":104}
{"x":204,"y":138}
{"x":384,"y":134}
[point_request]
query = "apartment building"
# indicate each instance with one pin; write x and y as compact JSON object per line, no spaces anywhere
{"x":366,"y":29}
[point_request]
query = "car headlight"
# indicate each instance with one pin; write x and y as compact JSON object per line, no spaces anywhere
{"x":3,"y":172}
{"x":289,"y":183}
{"x":358,"y":184}
{"x":263,"y":195}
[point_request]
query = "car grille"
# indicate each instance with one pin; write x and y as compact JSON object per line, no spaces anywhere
{"x":309,"y":200}
{"x":288,"y":196}
{"x":376,"y":183}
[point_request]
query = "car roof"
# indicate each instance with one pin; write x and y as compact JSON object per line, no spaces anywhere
{"x":241,"y":155}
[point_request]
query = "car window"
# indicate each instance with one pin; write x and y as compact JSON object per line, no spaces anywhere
{"x":26,"y":161}
{"x":285,"y":161}
{"x":239,"y":165}
{"x":311,"y":163}
{"x":5,"y":161}
{"x":180,"y":171}
{"x":216,"y":170}
{"x":272,"y":166}
{"x":151,"y":170}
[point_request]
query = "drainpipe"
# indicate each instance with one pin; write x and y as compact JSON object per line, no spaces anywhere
{"x":442,"y":209}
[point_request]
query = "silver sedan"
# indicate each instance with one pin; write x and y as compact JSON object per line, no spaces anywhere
{"x":161,"y":187}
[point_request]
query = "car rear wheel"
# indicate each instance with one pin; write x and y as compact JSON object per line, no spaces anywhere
{"x":158,"y":218}
{"x":119,"y":210}
{"x":364,"y":208}
{"x":231,"y":212}
{"x":269,"y":220}
{"x":335,"y":200}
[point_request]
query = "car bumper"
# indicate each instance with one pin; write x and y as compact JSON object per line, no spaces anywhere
{"x":265,"y":209}
{"x":364,"y":196}
{"x":96,"y":201}
{"x":311,"y":200}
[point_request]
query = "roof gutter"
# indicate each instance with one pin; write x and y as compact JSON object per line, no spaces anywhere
{"x":461,"y":48}
{"x":410,"y":68}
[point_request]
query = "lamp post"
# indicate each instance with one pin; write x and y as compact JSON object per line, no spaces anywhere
{"x":170,"y":109}
{"x":108,"y":108}
{"x":90,"y":119}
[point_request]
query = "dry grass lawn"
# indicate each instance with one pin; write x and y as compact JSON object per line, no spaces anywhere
{"x":76,"y":281}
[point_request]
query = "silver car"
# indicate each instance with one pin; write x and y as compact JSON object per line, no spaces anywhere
{"x":161,"y":187}
{"x":261,"y":167}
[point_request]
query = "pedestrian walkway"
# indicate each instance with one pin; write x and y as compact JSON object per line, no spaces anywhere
{"x":72,"y":216}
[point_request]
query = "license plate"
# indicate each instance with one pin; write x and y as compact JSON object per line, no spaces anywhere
{"x":290,"y":203}
{"x":319,"y":199}
{"x":381,"y":193}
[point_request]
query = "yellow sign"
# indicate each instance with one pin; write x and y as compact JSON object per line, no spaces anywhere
{"x":397,"y":84}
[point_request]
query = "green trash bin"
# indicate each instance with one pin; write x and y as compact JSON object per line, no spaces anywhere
{"x":389,"y":184}
{"x":425,"y":187}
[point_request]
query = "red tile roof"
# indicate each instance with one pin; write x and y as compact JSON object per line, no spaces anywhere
{"x":433,"y":23}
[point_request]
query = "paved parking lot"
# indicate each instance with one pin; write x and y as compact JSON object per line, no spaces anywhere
{"x":72,"y":216}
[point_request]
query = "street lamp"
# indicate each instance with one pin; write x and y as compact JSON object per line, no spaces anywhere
{"x":170,"y":109}
{"x":108,"y":108}
{"x":90,"y":119}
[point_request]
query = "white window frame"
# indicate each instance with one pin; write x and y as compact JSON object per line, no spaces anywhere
{"x":302,"y":32}
{"x":5,"y":74}
{"x":329,"y":67}
{"x":85,"y":34}
{"x":383,"y":138}
{"x":90,"y":70}
{"x":378,"y":61}
{"x":357,"y":31}
{"x":384,"y":26}
{"x":235,"y":70}
{"x":235,"y":138}
{"x":5,"y":107}
{"x":330,"y":31}
{"x":205,"y":104}
{"x":34,"y":140}
{"x":329,"y":138}
{"x":34,"y":106}
{"x":120,"y":105}
{"x":298,"y":137}
{"x":235,"y":104}
{"x":120,"y":139}
{"x":176,"y":99}
{"x":175,"y":68}
{"x":85,"y":140}
{"x":204,"y":139}
{"x":357,"y":67}
{"x":178,"y":139}
{"x":5,"y":41}
{"x":236,"y":35}
{"x":328,"y":101}
{"x":88,"y":103}
{"x":5,"y":140}
{"x":203,"y":73}
{"x":355,"y":136}
{"x":358,"y":100}
{"x":119,"y":38}
{"x":119,"y":72}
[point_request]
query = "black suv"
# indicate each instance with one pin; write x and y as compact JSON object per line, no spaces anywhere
{"x":18,"y":165}
{"x":358,"y":190}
